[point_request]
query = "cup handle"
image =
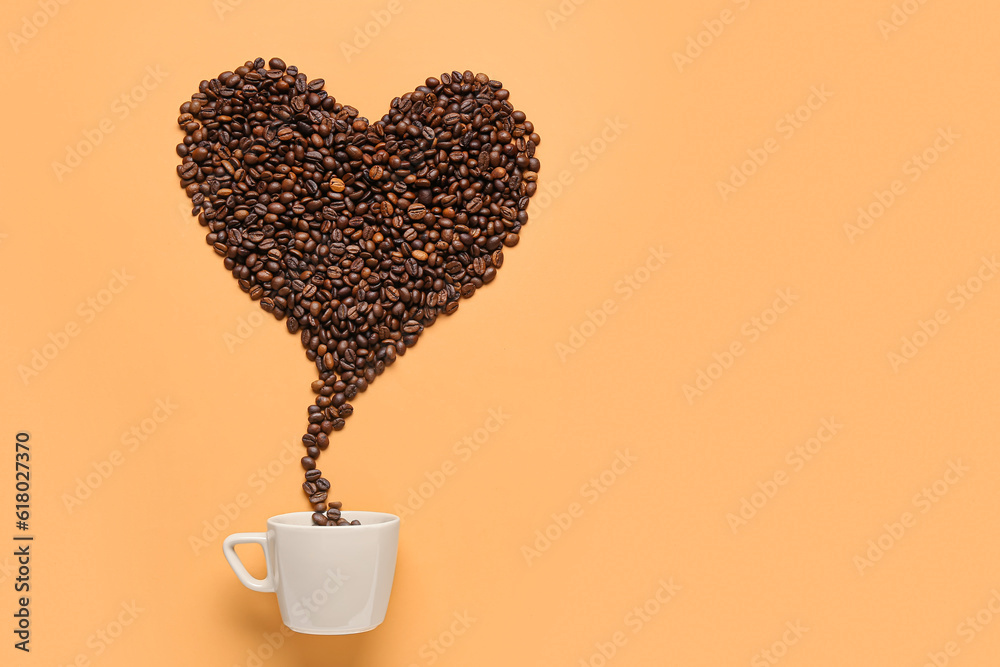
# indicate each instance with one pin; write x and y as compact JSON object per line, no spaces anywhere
{"x":264,"y":585}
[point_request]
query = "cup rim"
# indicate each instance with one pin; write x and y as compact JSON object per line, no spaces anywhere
{"x":392,"y":520}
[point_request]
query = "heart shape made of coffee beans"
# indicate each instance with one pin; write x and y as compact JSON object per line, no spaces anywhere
{"x":357,"y":234}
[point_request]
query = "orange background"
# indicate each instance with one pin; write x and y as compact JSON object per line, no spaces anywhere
{"x":237,"y":393}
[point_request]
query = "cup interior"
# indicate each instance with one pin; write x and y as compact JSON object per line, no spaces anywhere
{"x":304,"y":519}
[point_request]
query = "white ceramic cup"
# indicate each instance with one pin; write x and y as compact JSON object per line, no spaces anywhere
{"x":330,"y":580}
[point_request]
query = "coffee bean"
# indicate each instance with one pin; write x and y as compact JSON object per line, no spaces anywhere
{"x":416,"y":211}
{"x":188,"y":170}
{"x":357,"y":234}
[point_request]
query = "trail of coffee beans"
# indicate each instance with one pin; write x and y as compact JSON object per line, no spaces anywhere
{"x":357,"y":234}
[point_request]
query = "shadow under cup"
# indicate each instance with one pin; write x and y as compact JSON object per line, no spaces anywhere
{"x":330,"y":580}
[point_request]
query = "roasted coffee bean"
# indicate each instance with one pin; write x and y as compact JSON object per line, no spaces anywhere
{"x":416,"y":211}
{"x":357,"y":234}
